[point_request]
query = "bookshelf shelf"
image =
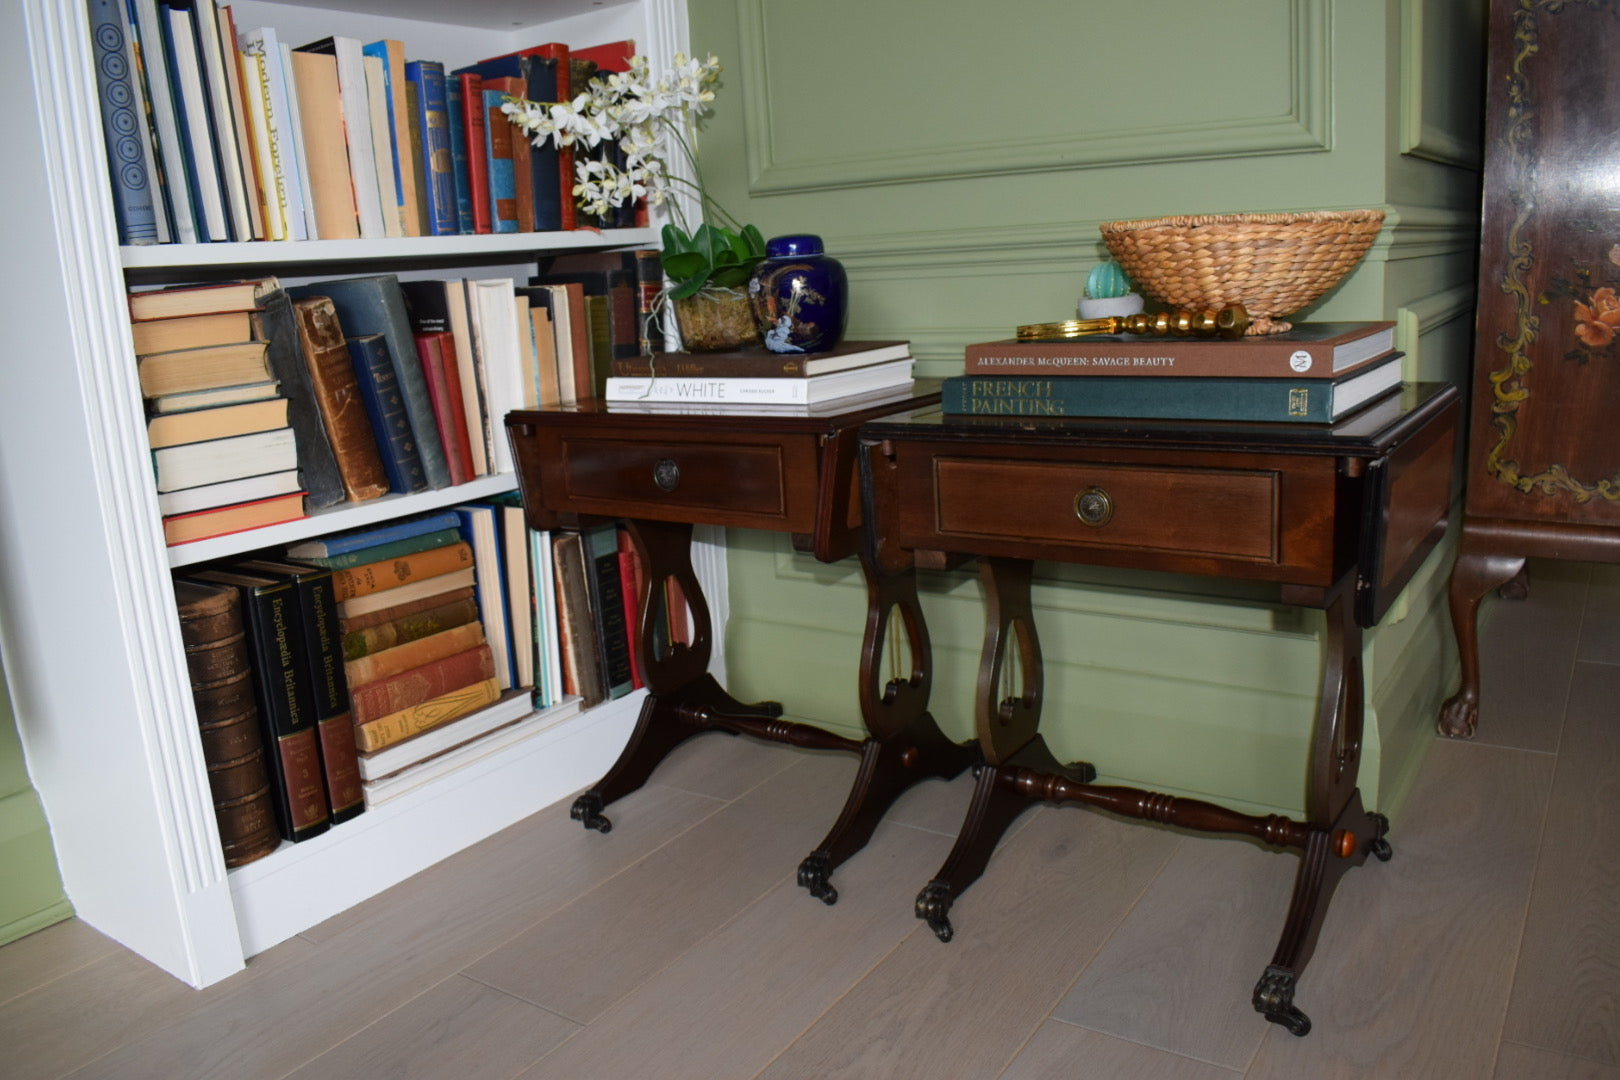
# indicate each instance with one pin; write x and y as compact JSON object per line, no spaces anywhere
{"x":336,"y":518}
{"x":93,"y":657}
{"x":408,"y":249}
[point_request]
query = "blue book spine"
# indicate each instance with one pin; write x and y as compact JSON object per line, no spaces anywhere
{"x":490,"y":588}
{"x":540,"y":75}
{"x":458,"y":157}
{"x":385,"y":405}
{"x":428,"y":76}
{"x":343,"y":543}
{"x":502,"y":177}
{"x":123,"y":124}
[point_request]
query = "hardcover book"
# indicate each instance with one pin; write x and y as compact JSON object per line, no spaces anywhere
{"x":234,"y":518}
{"x":434,"y":128}
{"x":228,"y":492}
{"x":480,"y":529}
{"x":170,"y":156}
{"x":520,"y":611}
{"x":122,"y":126}
{"x":385,"y":731}
{"x":221,"y":676}
{"x":385,"y":407}
{"x":337,"y":393}
{"x":438,"y":305}
{"x":286,"y":710}
{"x":378,"y":630}
{"x":457,"y":122}
{"x":436,"y":585}
{"x":218,"y":460}
{"x":375,"y":700}
{"x":453,"y":735}
{"x":392,"y":55}
{"x":1321,"y":350}
{"x":209,"y":367}
{"x":391,"y":573}
{"x":326,"y":150}
{"x":172,"y":429}
{"x":190,"y":331}
{"x":763,"y":391}
{"x":437,"y":352}
{"x":761,"y":363}
{"x":375,"y":305}
{"x":355,"y":113}
{"x":317,"y":464}
{"x":358,"y":539}
{"x":414,"y":653}
{"x":472,"y":126}
{"x":1316,"y":401}
{"x":467,"y":744}
{"x":576,"y":626}
{"x":188,"y":400}
{"x":322,"y":665}
{"x":184,"y":300}
{"x":503,"y":212}
{"x":607,"y":608}
{"x":393,"y":550}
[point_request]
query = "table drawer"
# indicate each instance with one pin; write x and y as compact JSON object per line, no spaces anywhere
{"x":731,"y":479}
{"x":1225,"y":513}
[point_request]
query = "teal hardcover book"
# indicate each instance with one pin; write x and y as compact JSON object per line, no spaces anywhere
{"x":1311,"y":401}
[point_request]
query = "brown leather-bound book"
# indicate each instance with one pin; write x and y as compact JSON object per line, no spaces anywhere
{"x":337,"y":392}
{"x":393,"y":628}
{"x":283,"y":696}
{"x":228,"y":718}
{"x":576,"y":629}
{"x":378,"y":699}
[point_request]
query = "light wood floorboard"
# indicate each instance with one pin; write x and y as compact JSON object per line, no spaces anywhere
{"x":679,"y":945}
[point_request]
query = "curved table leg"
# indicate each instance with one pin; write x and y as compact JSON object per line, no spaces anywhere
{"x":906,"y":744}
{"x":1475,"y":574}
{"x":1341,"y":833}
{"x":1008,"y":738}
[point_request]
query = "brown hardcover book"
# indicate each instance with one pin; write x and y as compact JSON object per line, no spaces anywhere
{"x":181,"y":300}
{"x":414,"y":653}
{"x":322,"y":666}
{"x":374,"y":700}
{"x":579,"y":340}
{"x":761,"y":363}
{"x":326,"y":150}
{"x":374,"y":577}
{"x":576,"y":628}
{"x":191,"y":331}
{"x":452,"y":705}
{"x":228,"y":719}
{"x":206,"y":367}
{"x":337,"y":394}
{"x":286,"y":712}
{"x":419,"y":619}
{"x":373,"y":619}
{"x":1323,"y":350}
{"x":438,"y":585}
{"x":199,"y":425}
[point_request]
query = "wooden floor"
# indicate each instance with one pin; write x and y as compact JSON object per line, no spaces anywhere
{"x":679,"y":945}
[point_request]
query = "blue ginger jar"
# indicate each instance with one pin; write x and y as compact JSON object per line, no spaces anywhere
{"x":799,"y":296}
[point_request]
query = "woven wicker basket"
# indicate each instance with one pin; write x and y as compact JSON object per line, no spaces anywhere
{"x":1272,"y":264}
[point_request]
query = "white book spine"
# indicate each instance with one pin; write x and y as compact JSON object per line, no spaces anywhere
{"x":295,"y":123}
{"x":357,"y":135}
{"x":160,"y":81}
{"x":261,"y":43}
{"x":224,"y":130}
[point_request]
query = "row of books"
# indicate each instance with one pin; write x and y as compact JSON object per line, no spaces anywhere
{"x":266,"y":403}
{"x":353,"y":668}
{"x":1314,"y":373}
{"x":220,"y":133}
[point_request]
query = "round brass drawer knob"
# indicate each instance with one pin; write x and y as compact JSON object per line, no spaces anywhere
{"x":1094,"y":507}
{"x":666,"y":474}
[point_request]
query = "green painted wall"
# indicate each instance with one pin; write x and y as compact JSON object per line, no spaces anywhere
{"x":31,"y":894}
{"x":958,"y":157}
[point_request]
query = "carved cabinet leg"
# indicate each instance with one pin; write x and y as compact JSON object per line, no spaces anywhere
{"x":1475,"y":574}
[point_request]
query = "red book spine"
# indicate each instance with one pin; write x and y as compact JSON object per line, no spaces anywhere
{"x":377,"y":699}
{"x":631,"y":583}
{"x":458,"y":402}
{"x":430,"y":352}
{"x":472,"y":126}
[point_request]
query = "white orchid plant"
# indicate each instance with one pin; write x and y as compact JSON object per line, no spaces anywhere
{"x":650,"y":116}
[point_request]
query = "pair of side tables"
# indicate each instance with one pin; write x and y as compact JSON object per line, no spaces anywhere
{"x":1338,"y":517}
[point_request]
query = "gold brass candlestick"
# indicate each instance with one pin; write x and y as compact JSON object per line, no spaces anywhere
{"x":1228,"y":322}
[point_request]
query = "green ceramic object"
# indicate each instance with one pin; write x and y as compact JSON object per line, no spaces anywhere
{"x":1107,"y":279}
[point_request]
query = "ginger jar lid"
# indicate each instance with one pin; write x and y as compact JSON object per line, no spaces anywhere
{"x":793,"y":247}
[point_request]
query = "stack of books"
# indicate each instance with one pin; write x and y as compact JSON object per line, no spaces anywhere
{"x":223,"y":132}
{"x":446,"y":654}
{"x":1315,"y":373}
{"x":223,"y":450}
{"x":755,"y":378}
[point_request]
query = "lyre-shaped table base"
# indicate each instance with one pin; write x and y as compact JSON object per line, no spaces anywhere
{"x":684,"y":700}
{"x":1019,"y":770}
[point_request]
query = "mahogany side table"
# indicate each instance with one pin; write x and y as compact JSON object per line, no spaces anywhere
{"x":662,"y":472}
{"x":1339,"y":517}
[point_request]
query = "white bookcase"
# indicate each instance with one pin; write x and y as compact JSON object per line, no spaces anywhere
{"x":87,"y":616}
